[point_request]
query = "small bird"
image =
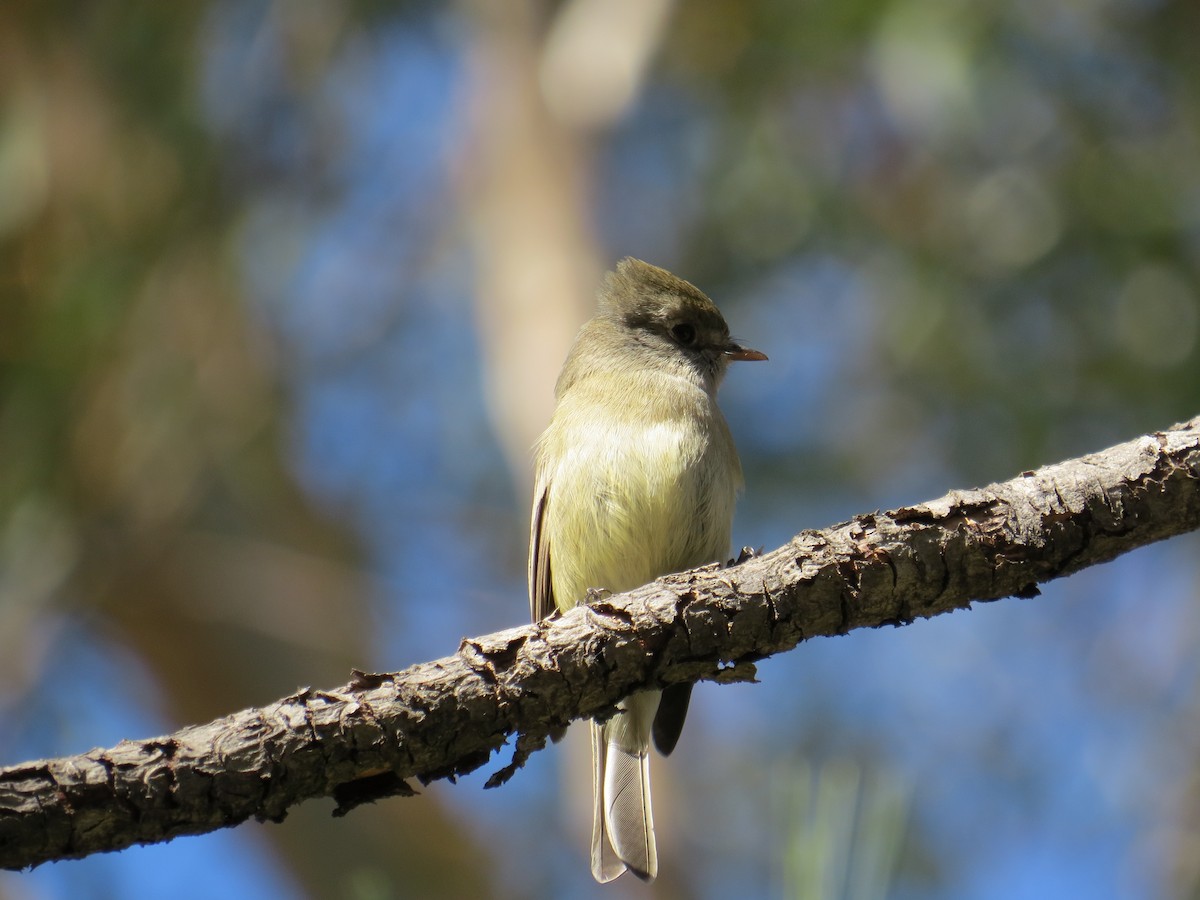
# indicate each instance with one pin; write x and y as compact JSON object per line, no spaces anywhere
{"x":636,"y":477}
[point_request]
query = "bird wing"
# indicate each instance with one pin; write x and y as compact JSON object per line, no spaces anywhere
{"x":541,"y":590}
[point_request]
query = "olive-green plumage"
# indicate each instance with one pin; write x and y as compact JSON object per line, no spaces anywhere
{"x":636,"y":478}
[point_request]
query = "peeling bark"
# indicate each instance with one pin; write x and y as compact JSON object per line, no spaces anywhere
{"x":361,"y":742}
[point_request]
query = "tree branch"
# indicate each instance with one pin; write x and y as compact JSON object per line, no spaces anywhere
{"x":443,"y":718}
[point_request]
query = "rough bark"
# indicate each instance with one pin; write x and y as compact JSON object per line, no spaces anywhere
{"x":442,"y":718}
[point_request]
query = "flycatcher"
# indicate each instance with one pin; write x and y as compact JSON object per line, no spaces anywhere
{"x":636,"y":478}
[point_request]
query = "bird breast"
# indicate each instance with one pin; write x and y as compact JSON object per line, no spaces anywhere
{"x":640,"y":487}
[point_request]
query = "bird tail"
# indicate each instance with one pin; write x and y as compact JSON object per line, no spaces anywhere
{"x":622,"y":821}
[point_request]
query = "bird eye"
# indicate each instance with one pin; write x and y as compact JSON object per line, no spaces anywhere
{"x":684,"y":333}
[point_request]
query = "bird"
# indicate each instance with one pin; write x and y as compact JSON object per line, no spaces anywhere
{"x":635,"y":477}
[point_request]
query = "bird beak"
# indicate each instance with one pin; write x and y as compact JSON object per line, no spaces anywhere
{"x":736,"y":351}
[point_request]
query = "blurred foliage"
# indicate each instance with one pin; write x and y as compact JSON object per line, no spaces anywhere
{"x":143,"y":484}
{"x":244,"y":436}
{"x":1015,"y":188}
{"x":844,"y":831}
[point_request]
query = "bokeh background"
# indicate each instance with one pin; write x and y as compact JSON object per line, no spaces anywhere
{"x":284,"y":287}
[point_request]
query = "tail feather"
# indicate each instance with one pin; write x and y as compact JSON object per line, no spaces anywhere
{"x":622,"y":821}
{"x":627,"y":813}
{"x":606,"y":865}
